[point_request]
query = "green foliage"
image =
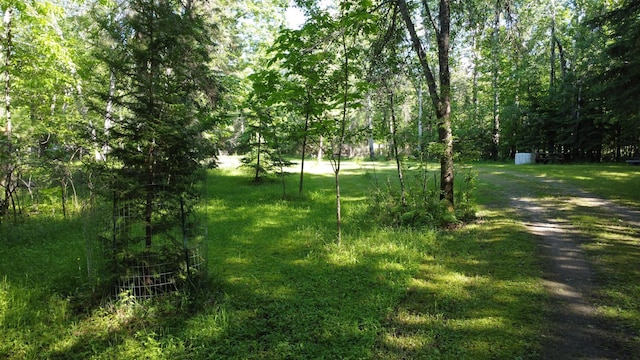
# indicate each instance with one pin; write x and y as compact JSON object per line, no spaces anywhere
{"x":422,"y":210}
{"x":158,"y":55}
{"x":465,"y":194}
{"x":167,"y":96}
{"x":38,"y":67}
{"x":270,"y":162}
{"x":424,"y":207}
{"x":266,"y":137}
{"x":165,"y":89}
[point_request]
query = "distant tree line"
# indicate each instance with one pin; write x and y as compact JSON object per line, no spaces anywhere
{"x":433,"y":80}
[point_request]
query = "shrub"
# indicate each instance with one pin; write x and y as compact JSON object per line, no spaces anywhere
{"x":423,"y":206}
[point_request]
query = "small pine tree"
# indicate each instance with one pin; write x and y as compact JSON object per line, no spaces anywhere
{"x":157,"y":51}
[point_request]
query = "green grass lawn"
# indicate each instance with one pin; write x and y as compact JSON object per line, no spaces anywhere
{"x":280,"y":288}
{"x":613,"y":181}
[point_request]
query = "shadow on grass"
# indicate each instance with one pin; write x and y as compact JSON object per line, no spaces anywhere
{"x":280,"y":288}
{"x":592,"y":310}
{"x":478,"y":297}
{"x":41,"y":266}
{"x":289,"y":290}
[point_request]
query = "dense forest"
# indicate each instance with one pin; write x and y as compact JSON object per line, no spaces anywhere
{"x":163,"y":86}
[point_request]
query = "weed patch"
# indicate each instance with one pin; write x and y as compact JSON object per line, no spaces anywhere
{"x":419,"y":204}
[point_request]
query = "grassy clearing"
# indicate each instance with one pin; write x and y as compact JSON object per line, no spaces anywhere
{"x":480,"y":285}
{"x":612,"y":181}
{"x":280,"y":288}
{"x":615,"y":249}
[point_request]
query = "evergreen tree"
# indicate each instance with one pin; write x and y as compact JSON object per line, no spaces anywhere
{"x":158,"y":54}
{"x":620,"y":78}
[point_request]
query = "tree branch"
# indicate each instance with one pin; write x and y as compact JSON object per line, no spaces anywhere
{"x":419,"y":49}
{"x":425,"y":4}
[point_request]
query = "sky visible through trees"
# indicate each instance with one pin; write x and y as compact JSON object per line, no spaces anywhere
{"x":115,"y":112}
{"x":553,"y":77}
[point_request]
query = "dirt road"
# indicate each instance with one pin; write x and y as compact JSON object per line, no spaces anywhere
{"x":577,"y":331}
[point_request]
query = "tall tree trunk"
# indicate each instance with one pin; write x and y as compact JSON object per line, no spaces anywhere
{"x":338,"y":204}
{"x":63,"y":196}
{"x":552,"y":60}
{"x":150,"y":190}
{"x":337,"y":158}
{"x":495,"y":129}
{"x":154,"y":114}
{"x":319,"y":153}
{"x":369,"y":111}
{"x":444,"y":111}
{"x":563,"y":61}
{"x":446,"y":161}
{"x":475,"y":101}
{"x":7,"y":66}
{"x":280,"y":163}
{"x":257,"y":174}
{"x":441,"y":100}
{"x":394,"y":147}
{"x":101,"y":153}
{"x":420,"y":129}
{"x":307,"y":117}
{"x":304,"y":154}
{"x":7,"y":147}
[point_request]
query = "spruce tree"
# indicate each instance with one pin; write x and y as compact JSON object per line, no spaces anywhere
{"x":157,"y":51}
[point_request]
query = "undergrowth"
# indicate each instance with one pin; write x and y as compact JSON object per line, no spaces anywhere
{"x":423,"y":205}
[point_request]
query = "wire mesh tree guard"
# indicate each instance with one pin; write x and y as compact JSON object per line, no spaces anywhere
{"x":142,"y":255}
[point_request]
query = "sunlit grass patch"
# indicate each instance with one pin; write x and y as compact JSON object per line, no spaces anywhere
{"x":280,"y":287}
{"x":210,"y":325}
{"x":477,"y":287}
{"x":614,"y":181}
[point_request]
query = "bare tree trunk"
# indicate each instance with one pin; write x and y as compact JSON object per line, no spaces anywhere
{"x":7,"y":65}
{"x":150,"y":192}
{"x":63,"y":196}
{"x":338,"y":205}
{"x":372,"y":153}
{"x":257,"y":175}
{"x":444,"y":110}
{"x":108,"y":117}
{"x":281,"y":164}
{"x":337,"y":159}
{"x":150,"y":185}
{"x":420,"y":130}
{"x":304,"y":143}
{"x":475,"y":102}
{"x":319,"y":153}
{"x":495,"y":132}
{"x":552,"y":72}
